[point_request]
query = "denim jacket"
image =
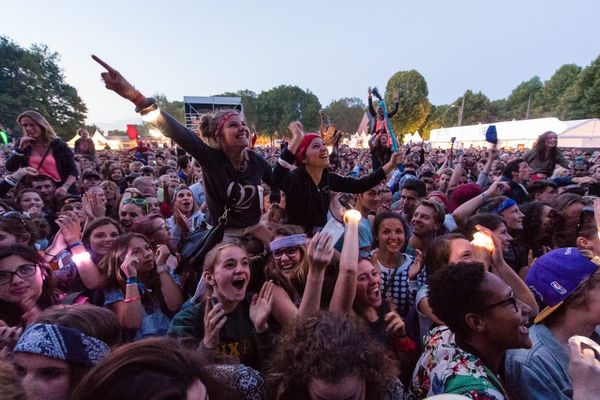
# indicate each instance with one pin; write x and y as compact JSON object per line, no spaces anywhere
{"x":541,"y":372}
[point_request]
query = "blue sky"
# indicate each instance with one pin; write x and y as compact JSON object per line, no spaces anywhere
{"x":334,"y":48}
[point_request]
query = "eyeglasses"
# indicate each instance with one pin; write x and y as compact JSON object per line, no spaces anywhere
{"x":289,"y":252}
{"x":511,"y":300}
{"x":162,"y":226}
{"x":15,"y":215}
{"x":24,"y":271}
{"x":138,"y":202}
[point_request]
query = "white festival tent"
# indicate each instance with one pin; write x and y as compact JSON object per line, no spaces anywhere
{"x":579,"y":133}
{"x":99,"y":141}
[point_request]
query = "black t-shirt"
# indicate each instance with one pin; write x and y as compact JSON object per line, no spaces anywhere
{"x":221,"y":178}
{"x":238,"y":336}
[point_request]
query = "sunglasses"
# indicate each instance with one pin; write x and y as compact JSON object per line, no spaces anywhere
{"x":138,"y":202}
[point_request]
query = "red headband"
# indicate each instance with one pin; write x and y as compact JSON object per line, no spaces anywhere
{"x":224,"y":119}
{"x":306,"y":140}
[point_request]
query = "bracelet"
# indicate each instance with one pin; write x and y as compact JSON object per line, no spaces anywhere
{"x":132,"y":299}
{"x":74,"y":244}
{"x":484,"y":198}
{"x":161,"y":268}
{"x":132,"y":280}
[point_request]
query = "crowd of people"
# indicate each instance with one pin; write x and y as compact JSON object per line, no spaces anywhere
{"x":339,"y":273}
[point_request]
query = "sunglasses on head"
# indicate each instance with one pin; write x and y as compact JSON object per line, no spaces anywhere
{"x":138,"y":202}
{"x":15,"y":215}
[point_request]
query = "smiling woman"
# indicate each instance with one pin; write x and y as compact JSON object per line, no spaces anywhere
{"x":231,"y":173}
{"x":308,"y":187}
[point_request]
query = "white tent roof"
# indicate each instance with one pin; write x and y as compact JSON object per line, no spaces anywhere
{"x":416,"y":137}
{"x":510,"y":133}
{"x":581,"y":133}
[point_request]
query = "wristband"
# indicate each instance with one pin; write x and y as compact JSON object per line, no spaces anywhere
{"x":132,"y":280}
{"x":161,"y":268}
{"x":484,"y":198}
{"x":74,"y":244}
{"x":132,"y":299}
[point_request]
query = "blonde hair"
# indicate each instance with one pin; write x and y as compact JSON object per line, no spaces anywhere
{"x":212,"y":258}
{"x":48,"y":133}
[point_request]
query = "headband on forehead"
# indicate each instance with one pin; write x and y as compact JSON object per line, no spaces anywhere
{"x":288,"y":241}
{"x":504,"y":205}
{"x":62,"y":343}
{"x":224,"y":118}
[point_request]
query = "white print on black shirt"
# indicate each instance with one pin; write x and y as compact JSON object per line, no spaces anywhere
{"x":242,"y":195}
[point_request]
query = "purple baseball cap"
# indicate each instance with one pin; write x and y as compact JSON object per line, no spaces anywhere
{"x":556,"y":275}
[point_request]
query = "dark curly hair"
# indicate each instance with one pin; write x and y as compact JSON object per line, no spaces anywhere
{"x":540,"y":147}
{"x":454,"y":291}
{"x":532,"y":232}
{"x":327,"y":347}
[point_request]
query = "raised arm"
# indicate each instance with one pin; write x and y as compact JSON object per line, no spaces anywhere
{"x":168,"y":125}
{"x":465,"y":210}
{"x":345,"y":286}
{"x":508,"y":275}
{"x":320,"y":252}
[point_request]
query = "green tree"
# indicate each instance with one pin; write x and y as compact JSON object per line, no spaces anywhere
{"x":547,"y":102}
{"x":175,"y":108}
{"x":283,"y":104}
{"x":250,"y":103}
{"x":30,"y":79}
{"x":582,"y":99}
{"x":346,"y":113}
{"x":517,"y":103}
{"x":435,"y":120}
{"x":413,"y":103}
{"x":476,"y":110}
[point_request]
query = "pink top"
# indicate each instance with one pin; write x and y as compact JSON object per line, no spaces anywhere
{"x":49,"y":168}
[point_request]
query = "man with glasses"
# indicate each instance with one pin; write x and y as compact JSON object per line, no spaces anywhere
{"x":568,"y":283}
{"x":483,"y":320}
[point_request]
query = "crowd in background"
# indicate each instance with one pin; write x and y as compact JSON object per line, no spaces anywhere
{"x":342,"y":273}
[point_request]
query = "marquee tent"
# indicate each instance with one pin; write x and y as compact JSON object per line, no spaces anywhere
{"x":579,"y":133}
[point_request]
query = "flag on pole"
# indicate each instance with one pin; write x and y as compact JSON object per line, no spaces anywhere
{"x":132,"y":132}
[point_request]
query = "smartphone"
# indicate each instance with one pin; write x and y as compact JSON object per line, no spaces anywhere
{"x":335,"y":230}
{"x":453,"y":139}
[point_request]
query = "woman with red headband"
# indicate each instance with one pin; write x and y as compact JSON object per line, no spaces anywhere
{"x":307,"y":188}
{"x":231,"y":173}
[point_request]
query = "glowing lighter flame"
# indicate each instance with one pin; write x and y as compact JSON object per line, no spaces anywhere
{"x":81,"y":257}
{"x":480,"y":239}
{"x":352,"y":216}
{"x":151,"y":116}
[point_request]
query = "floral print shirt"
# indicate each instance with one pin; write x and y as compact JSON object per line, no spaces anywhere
{"x":446,"y":368}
